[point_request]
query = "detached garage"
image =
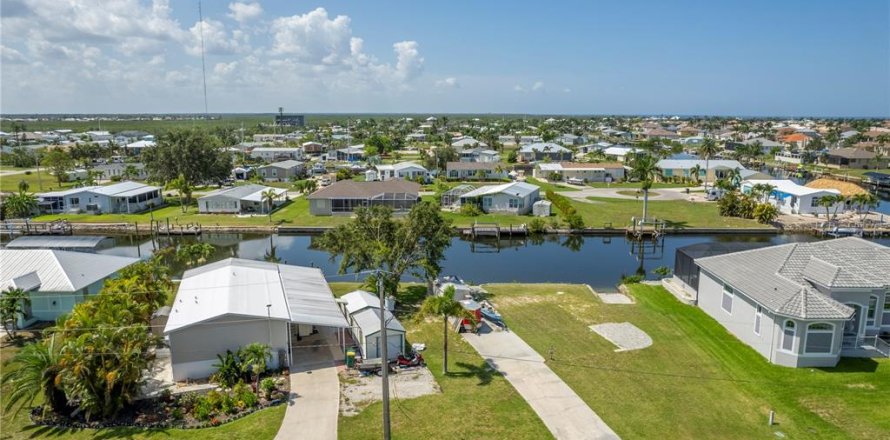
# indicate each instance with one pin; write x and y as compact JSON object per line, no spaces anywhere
{"x":231,"y":303}
{"x":364,"y":319}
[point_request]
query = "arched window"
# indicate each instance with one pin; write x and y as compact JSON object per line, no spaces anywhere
{"x":788,"y":336}
{"x":872,"y":311}
{"x":820,"y":338}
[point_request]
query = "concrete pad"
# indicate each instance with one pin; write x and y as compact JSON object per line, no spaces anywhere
{"x":624,"y":335}
{"x":314,"y":401}
{"x":563,"y":412}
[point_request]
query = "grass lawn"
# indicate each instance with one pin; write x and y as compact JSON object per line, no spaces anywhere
{"x":547,"y":186}
{"x":636,"y":185}
{"x":632,"y":193}
{"x":475,"y":402}
{"x":696,"y":381}
{"x":679,"y":213}
{"x":258,"y":426}
{"x":295,"y":213}
{"x":10,"y":183}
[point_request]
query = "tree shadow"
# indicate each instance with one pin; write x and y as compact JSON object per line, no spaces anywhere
{"x":482,"y":371}
{"x":852,"y":365}
{"x":676,"y":225}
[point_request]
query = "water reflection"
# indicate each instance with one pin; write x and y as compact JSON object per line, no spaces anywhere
{"x":597,"y":260}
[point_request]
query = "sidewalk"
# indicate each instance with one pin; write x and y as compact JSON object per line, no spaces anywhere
{"x":314,"y":402}
{"x":561,"y":410}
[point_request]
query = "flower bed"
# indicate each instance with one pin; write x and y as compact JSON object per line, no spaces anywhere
{"x":190,"y":410}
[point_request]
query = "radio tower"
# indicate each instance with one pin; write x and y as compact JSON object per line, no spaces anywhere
{"x":203,"y":67}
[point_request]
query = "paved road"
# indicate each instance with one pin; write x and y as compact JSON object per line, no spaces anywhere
{"x":314,"y":402}
{"x":563,"y":412}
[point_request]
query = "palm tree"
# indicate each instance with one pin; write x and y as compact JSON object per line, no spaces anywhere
{"x":707,"y":149}
{"x":864,"y":202}
{"x":645,"y":169}
{"x":696,"y":173}
{"x":13,"y":303}
{"x":763,"y":190}
{"x":443,"y":306}
{"x":184,"y":187}
{"x":31,"y":373}
{"x":20,"y":204}
{"x":828,"y":201}
{"x":735,"y":177}
{"x":269,"y":197}
{"x":254,"y":357}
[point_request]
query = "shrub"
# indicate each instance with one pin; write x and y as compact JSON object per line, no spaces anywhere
{"x":470,"y":210}
{"x":561,"y":202}
{"x":554,"y":222}
{"x":203,"y":410}
{"x":766,"y":213}
{"x":537,"y":225}
{"x":575,"y":221}
{"x":631,"y":279}
{"x":344,"y":174}
{"x":228,"y":369}
{"x":267,"y":385}
{"x":189,"y":400}
{"x":662,"y":271}
{"x":249,"y":399}
{"x":28,"y":172}
{"x":116,"y":178}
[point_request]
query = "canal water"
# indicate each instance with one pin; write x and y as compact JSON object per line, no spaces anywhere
{"x":600,"y":261}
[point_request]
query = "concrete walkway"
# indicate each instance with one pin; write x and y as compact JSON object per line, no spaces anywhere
{"x":563,"y":412}
{"x":314,"y":402}
{"x":660,"y":193}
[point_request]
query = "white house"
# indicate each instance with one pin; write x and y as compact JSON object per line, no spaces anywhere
{"x":792,"y":198}
{"x":281,"y":171}
{"x":474,"y":171}
{"x":468,"y":142}
{"x":401,"y":170}
{"x":270,"y":154}
{"x":541,"y":150}
{"x":619,"y":153}
{"x":136,"y":148}
{"x":514,"y":197}
{"x":802,"y":304}
{"x":245,"y":199}
{"x":714,"y":169}
{"x":55,"y":280}
{"x":363,"y":311}
{"x":122,"y":197}
{"x":585,"y":172}
{"x":231,"y":303}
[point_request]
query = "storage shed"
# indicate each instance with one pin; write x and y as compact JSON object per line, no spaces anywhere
{"x":363,"y":310}
{"x":541,"y":208}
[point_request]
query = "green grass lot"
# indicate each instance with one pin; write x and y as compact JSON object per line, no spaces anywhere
{"x":679,"y":213}
{"x":261,"y":425}
{"x":10,"y":182}
{"x":295,"y":213}
{"x":475,"y":402}
{"x":636,"y":185}
{"x":696,"y":381}
{"x":547,"y":186}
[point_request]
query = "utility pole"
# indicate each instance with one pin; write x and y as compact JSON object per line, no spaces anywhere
{"x":384,"y":348}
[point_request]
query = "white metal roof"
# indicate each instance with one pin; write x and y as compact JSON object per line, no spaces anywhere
{"x":520,"y":189}
{"x":360,"y":299}
{"x":245,"y":287}
{"x":789,"y":187}
{"x":369,"y":321}
{"x":687,"y":164}
{"x":58,"y":271}
{"x":50,"y":242}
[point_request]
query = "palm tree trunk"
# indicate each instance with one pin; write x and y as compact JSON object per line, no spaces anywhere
{"x":445,"y":334}
{"x":645,"y":204}
{"x":707,"y":166}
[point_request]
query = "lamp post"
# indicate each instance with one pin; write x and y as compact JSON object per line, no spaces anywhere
{"x":384,"y":348}
{"x":269,"y":314}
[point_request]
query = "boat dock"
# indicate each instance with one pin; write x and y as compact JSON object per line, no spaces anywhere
{"x":176,"y":229}
{"x":57,"y":227}
{"x":494,"y":230}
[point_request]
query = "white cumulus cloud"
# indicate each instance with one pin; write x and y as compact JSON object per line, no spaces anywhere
{"x":448,"y":83}
{"x":242,"y":12}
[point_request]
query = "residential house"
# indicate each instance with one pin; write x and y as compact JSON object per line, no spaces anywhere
{"x":416,"y":137}
{"x":507,"y":140}
{"x":99,"y":135}
{"x":792,"y":198}
{"x":353,"y":153}
{"x":55,"y":280}
{"x":244,"y":199}
{"x":584,"y":172}
{"x":791,"y":157}
{"x":716,"y":168}
{"x":620,"y":153}
{"x":231,"y":303}
{"x":659,"y":133}
{"x":475,"y":171}
{"x":479,"y":154}
{"x":511,"y":198}
{"x":852,"y":158}
{"x":530,"y":139}
{"x":313,"y":148}
{"x":121,"y":170}
{"x":136,"y":148}
{"x":271,"y":154}
{"x":363,"y":313}
{"x":801,"y":304}
{"x":269,"y":137}
{"x":571,"y":139}
{"x":343,"y":197}
{"x":122,"y":197}
{"x":402,"y":170}
{"x":540,"y":151}
{"x":281,"y":171}
{"x":468,"y":142}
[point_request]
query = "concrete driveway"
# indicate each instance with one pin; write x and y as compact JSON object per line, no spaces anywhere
{"x":314,"y":402}
{"x":561,"y":410}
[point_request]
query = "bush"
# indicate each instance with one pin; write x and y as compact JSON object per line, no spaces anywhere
{"x":344,"y":174}
{"x":766,"y":213}
{"x":470,"y":210}
{"x":575,"y":221}
{"x":554,"y":223}
{"x":267,"y":385}
{"x":631,"y":279}
{"x":189,"y":400}
{"x":537,"y":226}
{"x":203,"y":410}
{"x":116,"y":178}
{"x":561,"y":202}
{"x":662,"y":271}
{"x":28,"y":172}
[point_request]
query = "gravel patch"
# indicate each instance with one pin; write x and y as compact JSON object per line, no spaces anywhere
{"x":624,"y":335}
{"x":612,"y":297}
{"x":357,"y":392}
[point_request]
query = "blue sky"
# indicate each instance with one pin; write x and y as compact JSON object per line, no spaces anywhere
{"x":652,"y":57}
